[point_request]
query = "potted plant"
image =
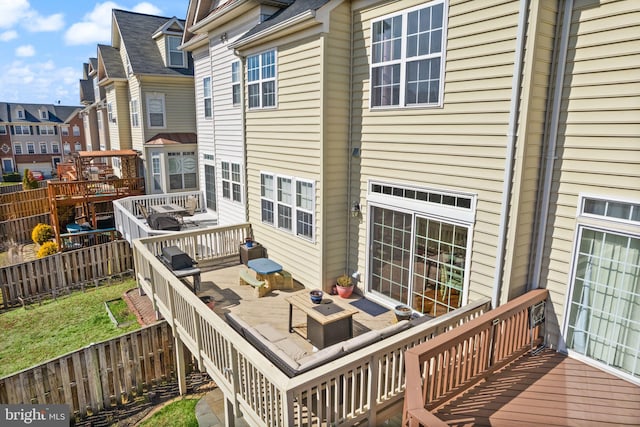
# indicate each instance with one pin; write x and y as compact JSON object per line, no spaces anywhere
{"x":344,"y":286}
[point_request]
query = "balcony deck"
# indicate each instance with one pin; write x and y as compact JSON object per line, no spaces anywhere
{"x":546,"y":389}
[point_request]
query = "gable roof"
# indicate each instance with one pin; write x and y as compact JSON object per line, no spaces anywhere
{"x":136,"y":31}
{"x":168,"y":138}
{"x":87,"y":95}
{"x":298,"y":7}
{"x":112,"y":64}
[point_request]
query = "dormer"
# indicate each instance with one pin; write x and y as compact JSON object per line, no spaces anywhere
{"x":20,"y":113}
{"x":43,"y":113}
{"x":168,"y":37}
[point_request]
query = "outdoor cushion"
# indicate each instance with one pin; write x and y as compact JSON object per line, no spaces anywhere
{"x":318,"y":358}
{"x":394,"y":329}
{"x":269,"y":332}
{"x":291,"y":349}
{"x":360,"y":341}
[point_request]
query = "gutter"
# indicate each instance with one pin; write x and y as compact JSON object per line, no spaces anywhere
{"x":543,"y":214}
{"x":212,"y":17}
{"x":509,"y":160}
{"x":295,"y":20}
{"x":350,"y":147}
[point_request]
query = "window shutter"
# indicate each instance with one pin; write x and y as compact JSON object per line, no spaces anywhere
{"x":12,"y":131}
{"x":38,"y":130}
{"x":55,"y":130}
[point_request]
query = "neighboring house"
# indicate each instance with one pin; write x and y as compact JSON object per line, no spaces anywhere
{"x":6,"y":150}
{"x":94,"y":112}
{"x":40,"y":136}
{"x":148,"y":90}
{"x":440,"y":152}
{"x":213,"y":26}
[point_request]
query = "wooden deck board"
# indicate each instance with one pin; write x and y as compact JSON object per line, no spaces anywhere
{"x":547,"y":389}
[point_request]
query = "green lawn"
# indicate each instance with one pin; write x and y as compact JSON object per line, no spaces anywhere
{"x":181,"y":413}
{"x":39,"y":333}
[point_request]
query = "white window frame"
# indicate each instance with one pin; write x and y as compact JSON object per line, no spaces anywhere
{"x":207,"y":102}
{"x":20,"y":113}
{"x":151,"y":97}
{"x":181,"y":158}
{"x":47,"y":130}
{"x":17,"y":148}
{"x":135,"y":113}
{"x":378,"y":48}
{"x":110,"y":116}
{"x":236,"y":88}
{"x":41,"y":146}
{"x":66,"y":148}
{"x":259,"y":76}
{"x":77,"y":146}
{"x":271,"y":197}
{"x":76,"y":130}
{"x":31,"y":148}
{"x":44,"y":115}
{"x":232,"y":188}
{"x":3,"y":130}
{"x":64,"y":130}
{"x":22,"y":130}
{"x":170,"y":50}
{"x":55,"y":148}
{"x":156,"y":172}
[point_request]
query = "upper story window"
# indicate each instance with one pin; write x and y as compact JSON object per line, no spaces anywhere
{"x":31,"y":148}
{"x":261,"y":77}
{"x":176,"y":58}
{"x":20,"y":114}
{"x":206,"y":96}
{"x":235,"y":82}
{"x":67,"y":148}
{"x":44,"y":114}
{"x":47,"y":130}
{"x":135,"y":118}
{"x":78,"y":146}
{"x":17,"y":148}
{"x":43,"y":148}
{"x":76,"y":130}
{"x":65,"y":130}
{"x":231,"y":182}
{"x":155,"y":110}
{"x":3,"y":130}
{"x":110,"y":116}
{"x":55,"y":148}
{"x":22,"y":130}
{"x":407,"y":66}
{"x":183,"y":170}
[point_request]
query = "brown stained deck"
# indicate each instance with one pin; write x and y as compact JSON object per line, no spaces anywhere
{"x":549,"y":389}
{"x":223,"y":286}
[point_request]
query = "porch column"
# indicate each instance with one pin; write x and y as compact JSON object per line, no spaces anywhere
{"x":180,"y":365}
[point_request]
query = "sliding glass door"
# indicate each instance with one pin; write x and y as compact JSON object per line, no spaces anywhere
{"x":417,"y":260}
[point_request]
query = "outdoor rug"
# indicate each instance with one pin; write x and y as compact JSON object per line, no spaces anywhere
{"x":369,"y":307}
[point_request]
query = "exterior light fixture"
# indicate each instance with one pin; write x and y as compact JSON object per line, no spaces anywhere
{"x":355,"y":209}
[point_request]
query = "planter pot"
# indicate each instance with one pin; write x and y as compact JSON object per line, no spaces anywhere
{"x":344,"y":291}
{"x":402,"y":312}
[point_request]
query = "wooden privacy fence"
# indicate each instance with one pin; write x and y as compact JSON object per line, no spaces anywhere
{"x":23,"y":203}
{"x":14,"y":188}
{"x":64,"y":271}
{"x":19,"y":230}
{"x":444,"y":367}
{"x":98,"y":376}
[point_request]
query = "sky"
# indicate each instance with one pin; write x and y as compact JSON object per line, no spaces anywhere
{"x":43,"y":43}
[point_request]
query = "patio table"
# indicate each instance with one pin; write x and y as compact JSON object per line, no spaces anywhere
{"x":265,"y":269}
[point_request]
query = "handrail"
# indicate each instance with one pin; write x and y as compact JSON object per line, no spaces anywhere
{"x":444,"y":367}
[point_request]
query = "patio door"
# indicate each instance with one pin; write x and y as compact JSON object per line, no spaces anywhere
{"x":604,"y":310}
{"x":417,"y":260}
{"x":210,"y":186}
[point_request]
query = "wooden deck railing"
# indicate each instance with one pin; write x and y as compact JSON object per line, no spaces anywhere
{"x":70,"y":191}
{"x":446,"y":366}
{"x":353,"y":388}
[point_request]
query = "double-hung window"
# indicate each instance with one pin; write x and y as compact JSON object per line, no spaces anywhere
{"x":183,"y":170}
{"x":22,"y":130}
{"x":110,"y":116}
{"x":3,"y":130}
{"x":206,"y":96}
{"x":55,"y":148}
{"x":43,"y":148}
{"x":261,"y":78}
{"x":407,"y":66}
{"x":231,"y":181}
{"x":76,"y":130}
{"x":47,"y":130}
{"x":135,"y":113}
{"x":177,"y":58}
{"x":77,"y":146}
{"x":31,"y":148}
{"x":17,"y":148}
{"x":235,"y":83}
{"x":156,"y":110}
{"x":288,"y":203}
{"x":65,"y":130}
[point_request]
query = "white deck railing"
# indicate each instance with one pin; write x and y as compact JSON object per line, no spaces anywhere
{"x":355,"y":387}
{"x":129,"y":220}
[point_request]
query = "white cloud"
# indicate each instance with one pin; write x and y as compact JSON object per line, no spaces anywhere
{"x":41,"y":23}
{"x":39,"y":82}
{"x":13,"y":12}
{"x":8,"y":35}
{"x":147,"y":8}
{"x":25,"y":50}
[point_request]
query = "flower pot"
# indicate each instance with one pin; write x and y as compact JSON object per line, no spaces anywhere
{"x":344,"y":291}
{"x":402,"y":312}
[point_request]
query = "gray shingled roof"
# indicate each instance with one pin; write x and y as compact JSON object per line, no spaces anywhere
{"x":112,"y":62}
{"x":65,"y":112}
{"x":57,"y":113}
{"x":296,"y":8}
{"x":93,"y":62}
{"x":136,"y":31}
{"x":86,"y":92}
{"x":4,"y":112}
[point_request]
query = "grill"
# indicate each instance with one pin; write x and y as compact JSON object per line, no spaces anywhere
{"x":176,"y":259}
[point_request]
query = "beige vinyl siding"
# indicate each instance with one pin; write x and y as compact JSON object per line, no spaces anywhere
{"x":460,"y":146}
{"x":162,"y":48}
{"x":179,"y":95}
{"x":137,"y":134}
{"x":336,"y":205}
{"x":536,"y":76}
{"x":120,"y":131}
{"x":598,"y":138}
{"x":288,"y":141}
{"x":202,"y":69}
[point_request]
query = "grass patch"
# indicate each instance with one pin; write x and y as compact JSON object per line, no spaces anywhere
{"x":33,"y":336}
{"x":121,"y":312}
{"x":181,"y":413}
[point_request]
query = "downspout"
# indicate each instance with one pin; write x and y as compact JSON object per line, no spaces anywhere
{"x":349,"y":146}
{"x":243,"y":127}
{"x":509,"y":160}
{"x":551,"y":149}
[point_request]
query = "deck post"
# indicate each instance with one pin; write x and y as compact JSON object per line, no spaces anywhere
{"x":180,"y":365}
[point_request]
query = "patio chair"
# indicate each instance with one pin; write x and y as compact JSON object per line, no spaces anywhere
{"x":143,"y":211}
{"x":191,"y":205}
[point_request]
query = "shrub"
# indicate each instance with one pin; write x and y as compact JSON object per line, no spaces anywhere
{"x":28,"y":181}
{"x":11,"y":177}
{"x":42,"y":233}
{"x":47,"y":248}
